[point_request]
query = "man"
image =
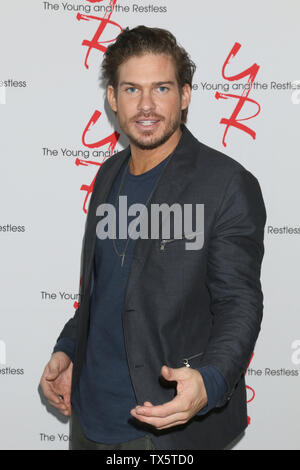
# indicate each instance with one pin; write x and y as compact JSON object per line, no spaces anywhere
{"x":155,"y":355}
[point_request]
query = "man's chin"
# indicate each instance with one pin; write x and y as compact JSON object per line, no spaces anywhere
{"x":151,"y":142}
{"x":147,"y":145}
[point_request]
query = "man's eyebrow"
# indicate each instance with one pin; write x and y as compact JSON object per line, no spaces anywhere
{"x":167,"y":82}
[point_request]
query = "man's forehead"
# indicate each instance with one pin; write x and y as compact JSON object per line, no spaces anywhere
{"x":148,"y":69}
{"x":151,"y":62}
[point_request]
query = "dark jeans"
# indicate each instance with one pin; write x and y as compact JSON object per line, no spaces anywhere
{"x":80,"y":442}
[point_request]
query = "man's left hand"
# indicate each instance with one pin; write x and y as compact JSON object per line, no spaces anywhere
{"x":190,"y":399}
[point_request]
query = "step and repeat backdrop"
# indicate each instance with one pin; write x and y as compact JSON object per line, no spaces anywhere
{"x":56,"y":130}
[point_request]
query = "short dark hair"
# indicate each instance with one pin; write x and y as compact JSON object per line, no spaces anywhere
{"x":141,"y":40}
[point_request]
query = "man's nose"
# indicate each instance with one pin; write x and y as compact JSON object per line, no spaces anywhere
{"x":146,"y":102}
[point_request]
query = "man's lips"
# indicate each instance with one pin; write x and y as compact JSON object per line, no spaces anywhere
{"x":147,"y":123}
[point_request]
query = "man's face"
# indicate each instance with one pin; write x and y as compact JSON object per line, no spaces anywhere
{"x":148,"y":100}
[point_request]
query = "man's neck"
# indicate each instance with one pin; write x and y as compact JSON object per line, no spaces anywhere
{"x":144,"y":160}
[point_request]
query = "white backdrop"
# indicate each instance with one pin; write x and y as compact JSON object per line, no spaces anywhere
{"x":49,"y":92}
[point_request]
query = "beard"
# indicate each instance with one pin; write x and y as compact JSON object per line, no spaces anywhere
{"x":155,"y":142}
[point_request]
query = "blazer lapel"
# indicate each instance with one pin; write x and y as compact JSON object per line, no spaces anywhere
{"x":168,"y":191}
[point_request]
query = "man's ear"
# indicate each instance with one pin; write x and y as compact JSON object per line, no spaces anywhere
{"x":112,"y":98}
{"x":185,"y":96}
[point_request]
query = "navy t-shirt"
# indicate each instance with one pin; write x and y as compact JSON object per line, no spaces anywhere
{"x":104,"y":396}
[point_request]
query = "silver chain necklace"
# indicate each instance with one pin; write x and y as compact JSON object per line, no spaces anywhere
{"x":113,"y":240}
{"x":122,"y":255}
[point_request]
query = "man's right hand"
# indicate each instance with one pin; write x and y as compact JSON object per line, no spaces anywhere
{"x":56,"y":382}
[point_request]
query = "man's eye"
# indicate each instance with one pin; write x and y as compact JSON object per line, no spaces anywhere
{"x":163,"y":89}
{"x":131,"y":90}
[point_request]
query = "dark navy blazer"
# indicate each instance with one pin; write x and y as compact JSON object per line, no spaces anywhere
{"x":204,"y":306}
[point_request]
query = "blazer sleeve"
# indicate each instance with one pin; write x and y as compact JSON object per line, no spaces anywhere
{"x":66,"y":345}
{"x":235,"y":253}
{"x":66,"y":341}
{"x":215,"y":387}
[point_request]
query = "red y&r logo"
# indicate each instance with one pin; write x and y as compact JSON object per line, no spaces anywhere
{"x":104,"y":21}
{"x":252,"y":392}
{"x":233,"y":121}
{"x":95,"y":43}
{"x":111,"y":140}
